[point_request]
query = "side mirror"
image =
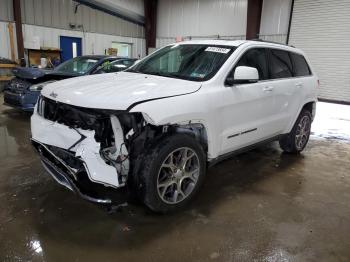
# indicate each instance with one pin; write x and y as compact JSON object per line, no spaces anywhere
{"x":243,"y":75}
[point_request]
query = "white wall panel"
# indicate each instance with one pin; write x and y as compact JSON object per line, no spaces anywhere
{"x":5,"y":50}
{"x":275,"y":17}
{"x":201,"y":18}
{"x":160,"y":42}
{"x":93,"y":43}
{"x":163,"y":41}
{"x":322,"y":29}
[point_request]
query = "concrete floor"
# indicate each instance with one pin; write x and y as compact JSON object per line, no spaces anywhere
{"x":259,"y":206}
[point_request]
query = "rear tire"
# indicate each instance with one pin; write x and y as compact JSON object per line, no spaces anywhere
{"x":173,"y":171}
{"x":297,"y":139}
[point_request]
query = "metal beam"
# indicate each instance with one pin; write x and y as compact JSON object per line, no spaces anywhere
{"x":290,"y":21}
{"x":19,"y":33}
{"x":253,"y":18}
{"x":150,"y":23}
{"x":115,"y":11}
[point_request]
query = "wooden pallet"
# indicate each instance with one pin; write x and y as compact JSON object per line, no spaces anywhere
{"x":7,"y":65}
{"x":5,"y":78}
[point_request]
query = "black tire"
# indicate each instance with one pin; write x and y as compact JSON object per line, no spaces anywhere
{"x":288,"y":142}
{"x":150,"y":169}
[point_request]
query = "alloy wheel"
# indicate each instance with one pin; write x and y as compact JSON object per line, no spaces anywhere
{"x":302,"y":132}
{"x":178,"y":175}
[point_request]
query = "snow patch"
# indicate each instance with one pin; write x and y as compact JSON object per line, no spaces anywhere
{"x":332,"y":121}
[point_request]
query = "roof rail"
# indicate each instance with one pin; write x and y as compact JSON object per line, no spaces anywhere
{"x":272,"y":42}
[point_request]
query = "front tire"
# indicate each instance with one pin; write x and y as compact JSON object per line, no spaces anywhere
{"x":173,"y":171}
{"x":297,"y":139}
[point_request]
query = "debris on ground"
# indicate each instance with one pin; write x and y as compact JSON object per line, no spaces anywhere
{"x":116,"y":208}
{"x":126,"y":228}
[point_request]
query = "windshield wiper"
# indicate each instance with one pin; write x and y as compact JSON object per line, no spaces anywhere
{"x":170,"y":75}
{"x":162,"y":74}
{"x":133,"y":71}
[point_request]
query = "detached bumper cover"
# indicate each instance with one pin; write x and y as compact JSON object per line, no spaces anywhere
{"x":68,"y":177}
{"x":76,"y":163}
{"x":61,"y":136}
{"x":62,"y":173}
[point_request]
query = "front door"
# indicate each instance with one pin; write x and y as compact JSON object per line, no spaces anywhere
{"x":70,"y":46}
{"x":246,"y":109}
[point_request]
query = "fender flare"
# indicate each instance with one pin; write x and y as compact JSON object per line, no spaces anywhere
{"x":292,"y":122}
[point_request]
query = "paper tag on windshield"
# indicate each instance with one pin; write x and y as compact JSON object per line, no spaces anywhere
{"x":217,"y":49}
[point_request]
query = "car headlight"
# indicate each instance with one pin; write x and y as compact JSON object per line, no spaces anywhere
{"x":40,"y":86}
{"x":148,"y":119}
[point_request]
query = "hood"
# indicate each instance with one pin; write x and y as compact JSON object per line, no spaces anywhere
{"x":116,"y":91}
{"x":37,"y":75}
{"x":29,"y":73}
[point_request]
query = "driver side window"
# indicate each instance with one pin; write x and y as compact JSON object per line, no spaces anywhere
{"x":256,"y":58}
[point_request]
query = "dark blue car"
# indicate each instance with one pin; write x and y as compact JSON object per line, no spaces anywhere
{"x":23,"y":91}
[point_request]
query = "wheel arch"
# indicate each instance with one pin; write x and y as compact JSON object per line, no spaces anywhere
{"x":309,"y":105}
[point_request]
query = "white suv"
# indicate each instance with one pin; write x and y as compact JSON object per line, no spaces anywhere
{"x":152,"y":130}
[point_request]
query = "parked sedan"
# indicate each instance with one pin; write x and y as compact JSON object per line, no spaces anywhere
{"x":23,"y":91}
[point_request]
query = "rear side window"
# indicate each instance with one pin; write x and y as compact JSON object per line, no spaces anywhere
{"x":255,"y":58}
{"x":301,"y":67}
{"x":280,"y":64}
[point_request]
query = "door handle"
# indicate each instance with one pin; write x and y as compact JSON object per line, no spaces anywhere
{"x":299,"y":84}
{"x":268,"y":88}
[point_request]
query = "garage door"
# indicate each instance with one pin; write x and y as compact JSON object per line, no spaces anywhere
{"x":322,"y":29}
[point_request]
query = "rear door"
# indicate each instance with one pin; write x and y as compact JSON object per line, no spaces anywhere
{"x":304,"y":81}
{"x":284,"y":89}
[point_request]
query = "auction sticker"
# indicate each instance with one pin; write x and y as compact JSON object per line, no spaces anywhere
{"x":217,"y":49}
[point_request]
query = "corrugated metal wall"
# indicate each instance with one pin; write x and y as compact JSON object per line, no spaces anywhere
{"x":93,"y":43}
{"x":60,"y":13}
{"x":6,"y":10}
{"x":163,"y":41}
{"x":135,"y":6}
{"x":275,"y":20}
{"x":48,"y":19}
{"x":203,"y":18}
{"x":322,"y":29}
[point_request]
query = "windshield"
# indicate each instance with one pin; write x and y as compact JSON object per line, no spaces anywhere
{"x":186,"y":61}
{"x":115,"y":66}
{"x":78,"y":65}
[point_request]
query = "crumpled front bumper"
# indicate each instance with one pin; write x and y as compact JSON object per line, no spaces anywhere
{"x":62,"y":173}
{"x":91,"y":178}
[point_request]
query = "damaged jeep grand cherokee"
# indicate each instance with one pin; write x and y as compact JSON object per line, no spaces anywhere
{"x":150,"y":132}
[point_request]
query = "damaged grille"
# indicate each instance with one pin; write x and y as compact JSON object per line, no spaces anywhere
{"x":72,"y":116}
{"x":18,"y":85}
{"x":77,"y":118}
{"x":97,"y":120}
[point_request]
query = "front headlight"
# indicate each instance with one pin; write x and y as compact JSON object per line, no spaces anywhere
{"x":39,"y":87}
{"x":148,"y":119}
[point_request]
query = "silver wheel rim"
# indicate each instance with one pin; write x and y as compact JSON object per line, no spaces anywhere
{"x":302,"y":132}
{"x":178,"y":175}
